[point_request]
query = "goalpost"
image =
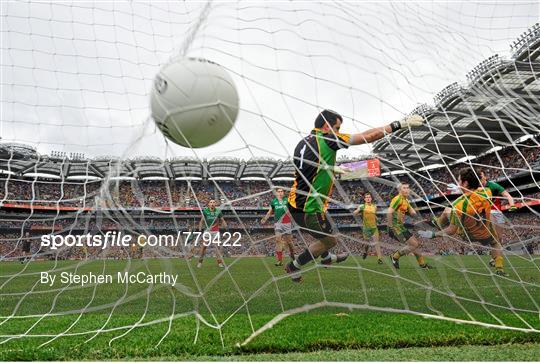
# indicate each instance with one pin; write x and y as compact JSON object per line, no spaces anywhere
{"x":76,"y":77}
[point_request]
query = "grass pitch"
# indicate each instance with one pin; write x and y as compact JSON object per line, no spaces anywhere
{"x":211,"y":310}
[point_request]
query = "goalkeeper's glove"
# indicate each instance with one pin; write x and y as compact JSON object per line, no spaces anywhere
{"x":426,"y":234}
{"x":341,"y":170}
{"x":512,"y":208}
{"x":453,"y":188}
{"x":409,"y":121}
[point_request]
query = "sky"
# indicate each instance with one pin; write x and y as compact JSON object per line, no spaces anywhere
{"x":77,"y":77}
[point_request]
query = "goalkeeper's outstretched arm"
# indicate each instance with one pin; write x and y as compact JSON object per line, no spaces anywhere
{"x":379,"y":132}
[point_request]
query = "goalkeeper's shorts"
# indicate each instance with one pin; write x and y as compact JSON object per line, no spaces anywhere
{"x":369,"y":232}
{"x":316,"y":224}
{"x":401,"y":234}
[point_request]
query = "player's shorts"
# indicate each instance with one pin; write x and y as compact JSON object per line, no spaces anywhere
{"x":316,"y":224}
{"x":369,"y":232}
{"x":497,"y":217}
{"x":485,"y":240}
{"x":283,"y":228}
{"x":401,"y":234}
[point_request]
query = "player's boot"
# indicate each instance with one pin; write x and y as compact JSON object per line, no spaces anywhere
{"x":279,"y":263}
{"x":364,"y":255}
{"x":395,"y":261}
{"x":500,"y":272}
{"x":492,"y":263}
{"x":425,"y":266}
{"x":199,"y":265}
{"x":379,"y":261}
{"x":293,"y":272}
{"x":221,"y":265}
{"x":334,"y":258}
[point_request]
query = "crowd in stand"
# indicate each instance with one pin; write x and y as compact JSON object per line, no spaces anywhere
{"x":255,"y":241}
{"x":117,"y":195}
{"x":166,"y":194}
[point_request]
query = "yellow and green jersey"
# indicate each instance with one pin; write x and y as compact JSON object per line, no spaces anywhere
{"x":280,"y":210}
{"x":471,"y":213}
{"x":369,"y":215}
{"x":401,"y":207}
{"x":211,"y":219}
{"x":314,"y":160}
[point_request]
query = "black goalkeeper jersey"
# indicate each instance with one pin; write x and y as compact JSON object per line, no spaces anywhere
{"x":314,"y":160}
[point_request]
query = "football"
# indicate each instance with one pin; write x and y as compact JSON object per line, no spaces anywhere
{"x":194,"y":102}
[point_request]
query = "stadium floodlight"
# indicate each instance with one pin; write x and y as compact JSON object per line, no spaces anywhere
{"x":525,"y":40}
{"x":488,"y":66}
{"x":447,"y":92}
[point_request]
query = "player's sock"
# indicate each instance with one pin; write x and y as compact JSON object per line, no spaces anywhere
{"x":303,"y":258}
{"x":405,"y":251}
{"x":279,"y":255}
{"x":327,"y":257}
{"x":420,"y":260}
{"x":396,"y":255}
{"x":499,"y":262}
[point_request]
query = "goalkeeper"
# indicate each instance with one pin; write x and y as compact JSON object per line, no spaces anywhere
{"x":314,"y":161}
{"x":471,"y":217}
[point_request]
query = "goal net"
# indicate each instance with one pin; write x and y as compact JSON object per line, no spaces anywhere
{"x":81,"y":156}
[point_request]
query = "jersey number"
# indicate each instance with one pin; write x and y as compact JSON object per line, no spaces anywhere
{"x":302,"y":151}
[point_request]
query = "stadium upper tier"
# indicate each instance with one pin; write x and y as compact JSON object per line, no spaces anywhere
{"x":499,"y":105}
{"x":516,"y":167}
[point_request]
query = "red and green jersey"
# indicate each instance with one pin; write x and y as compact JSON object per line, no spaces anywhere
{"x":496,"y":191}
{"x":280,"y":211}
{"x":314,"y":160}
{"x":211,"y":219}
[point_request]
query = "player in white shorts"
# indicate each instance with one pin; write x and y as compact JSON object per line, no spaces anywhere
{"x":282,"y":225}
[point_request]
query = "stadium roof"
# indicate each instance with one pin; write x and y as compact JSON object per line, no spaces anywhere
{"x":23,"y":160}
{"x":498,"y":106}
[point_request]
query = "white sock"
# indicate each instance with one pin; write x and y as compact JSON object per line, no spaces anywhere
{"x":330,"y":257}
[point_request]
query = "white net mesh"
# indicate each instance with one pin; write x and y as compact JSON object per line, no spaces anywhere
{"x":75,"y":82}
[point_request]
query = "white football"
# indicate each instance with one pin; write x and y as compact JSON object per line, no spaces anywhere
{"x":194,"y":102}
